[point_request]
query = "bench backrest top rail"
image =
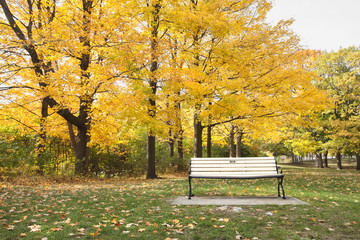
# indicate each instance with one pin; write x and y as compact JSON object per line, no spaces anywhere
{"x":232,"y":169}
{"x":232,"y":162}
{"x":235,"y":174}
{"x":234,"y":158}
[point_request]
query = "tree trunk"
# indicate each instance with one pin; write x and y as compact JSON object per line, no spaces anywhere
{"x":319,"y":160}
{"x":154,"y":24}
{"x":338,"y":160}
{"x":41,"y":147}
{"x":181,"y":165}
{"x":171,"y":144}
{"x":293,"y":157}
{"x":198,"y":130}
{"x":86,"y":99}
{"x":358,"y":162}
{"x":239,"y":136}
{"x":231,"y":140}
{"x":326,"y":159}
{"x":82,"y":151}
{"x":209,"y":143}
{"x":72,"y":136}
{"x":151,"y":164}
{"x":180,"y":148}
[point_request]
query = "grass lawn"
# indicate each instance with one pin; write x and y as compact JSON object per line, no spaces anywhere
{"x":141,"y":209}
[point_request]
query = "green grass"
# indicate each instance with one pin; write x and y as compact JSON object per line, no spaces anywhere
{"x":141,"y":209}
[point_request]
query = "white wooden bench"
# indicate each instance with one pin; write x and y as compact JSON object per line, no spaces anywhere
{"x":236,"y":168}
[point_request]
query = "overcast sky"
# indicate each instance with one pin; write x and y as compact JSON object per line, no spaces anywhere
{"x":322,"y":24}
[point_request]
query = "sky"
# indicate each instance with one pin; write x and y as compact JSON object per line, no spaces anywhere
{"x":321,"y":24}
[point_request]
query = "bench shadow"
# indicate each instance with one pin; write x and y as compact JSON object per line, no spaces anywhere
{"x":237,"y":200}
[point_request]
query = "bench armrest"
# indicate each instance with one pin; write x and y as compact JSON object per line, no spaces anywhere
{"x":278,"y":167}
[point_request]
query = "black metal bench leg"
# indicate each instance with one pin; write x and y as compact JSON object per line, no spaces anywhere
{"x":278,"y":187}
{"x":280,"y":184}
{"x":190,"y":188}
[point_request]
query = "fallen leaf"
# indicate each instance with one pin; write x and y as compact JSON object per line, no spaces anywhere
{"x":56,"y":229}
{"x":226,"y":220}
{"x":216,"y":226}
{"x":10,"y":227}
{"x":35,"y":228}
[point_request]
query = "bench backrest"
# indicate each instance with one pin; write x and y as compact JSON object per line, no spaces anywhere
{"x":233,"y":167}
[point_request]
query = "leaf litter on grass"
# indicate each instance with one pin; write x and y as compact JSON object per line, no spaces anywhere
{"x":139,"y":210}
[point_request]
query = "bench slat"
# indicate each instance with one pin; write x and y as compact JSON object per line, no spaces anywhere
{"x":227,"y":159}
{"x":230,"y":165}
{"x":234,"y":162}
{"x":234,"y":173}
{"x":238,"y":169}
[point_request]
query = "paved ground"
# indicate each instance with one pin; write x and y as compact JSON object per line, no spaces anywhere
{"x":235,"y":201}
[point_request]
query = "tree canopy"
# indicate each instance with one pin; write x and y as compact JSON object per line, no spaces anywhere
{"x":170,"y":67}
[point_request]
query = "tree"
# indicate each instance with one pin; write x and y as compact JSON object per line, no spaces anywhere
{"x":340,"y":78}
{"x":249,"y":71}
{"x":69,"y":57}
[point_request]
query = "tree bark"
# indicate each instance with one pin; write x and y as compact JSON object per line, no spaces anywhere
{"x":86,"y":99}
{"x":358,"y":162}
{"x":338,"y":160}
{"x":239,"y":136}
{"x":326,"y":159}
{"x":82,"y":151}
{"x":293,"y":157}
{"x":171,"y":142}
{"x":72,"y":136}
{"x":151,"y":163}
{"x":231,"y":140}
{"x":208,"y":142}
{"x":198,"y":130}
{"x":319,"y":160}
{"x":180,"y":144}
{"x":42,"y":137}
{"x":154,"y":24}
{"x":181,"y":165}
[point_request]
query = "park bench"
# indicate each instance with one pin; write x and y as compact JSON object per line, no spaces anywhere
{"x":236,"y":168}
